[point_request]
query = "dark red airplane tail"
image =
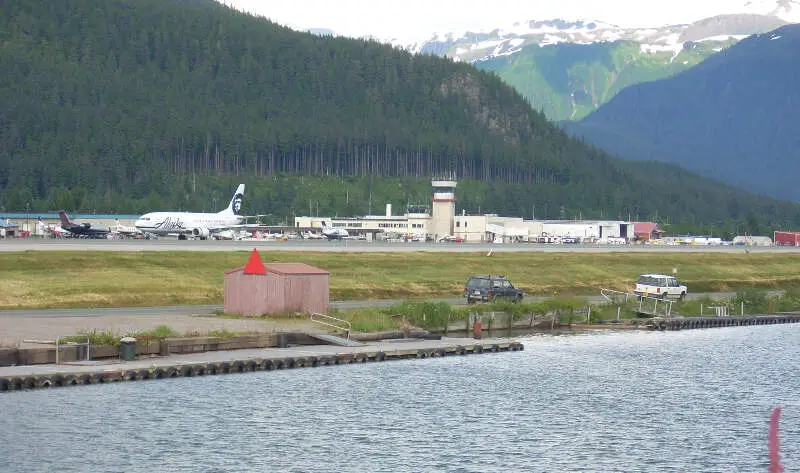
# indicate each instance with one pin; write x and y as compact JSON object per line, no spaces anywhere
{"x":65,"y":223}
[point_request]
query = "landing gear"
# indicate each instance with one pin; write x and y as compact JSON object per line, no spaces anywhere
{"x":182,"y":237}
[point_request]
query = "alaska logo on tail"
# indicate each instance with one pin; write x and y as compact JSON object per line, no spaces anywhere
{"x":235,"y":206}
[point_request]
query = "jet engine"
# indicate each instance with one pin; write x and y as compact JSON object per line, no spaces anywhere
{"x":200,"y":232}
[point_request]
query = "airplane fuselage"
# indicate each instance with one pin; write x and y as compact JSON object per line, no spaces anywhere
{"x":164,"y":223}
{"x":90,"y":233}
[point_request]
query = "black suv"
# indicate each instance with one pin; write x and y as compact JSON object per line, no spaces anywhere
{"x":489,"y":288}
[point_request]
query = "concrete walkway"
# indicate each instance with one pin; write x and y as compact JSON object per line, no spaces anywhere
{"x":218,"y":362}
{"x":16,"y":329}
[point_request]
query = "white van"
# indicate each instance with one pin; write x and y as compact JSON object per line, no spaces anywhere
{"x":659,"y":285}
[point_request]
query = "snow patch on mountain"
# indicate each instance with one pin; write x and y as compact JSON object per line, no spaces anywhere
{"x":749,"y":16}
{"x":723,"y":37}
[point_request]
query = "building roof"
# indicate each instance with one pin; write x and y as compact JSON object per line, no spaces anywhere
{"x":287,"y":268}
{"x":294,"y":268}
{"x":646,"y":227}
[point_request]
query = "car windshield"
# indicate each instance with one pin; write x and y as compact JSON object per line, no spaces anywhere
{"x":478,"y":282}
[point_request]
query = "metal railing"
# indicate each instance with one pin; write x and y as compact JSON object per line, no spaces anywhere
{"x":88,"y":346}
{"x":614,"y":296}
{"x":331,"y":321}
{"x":647,"y":305}
{"x":721,"y":310}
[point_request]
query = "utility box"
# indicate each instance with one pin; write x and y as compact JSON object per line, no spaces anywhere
{"x":276,"y":288}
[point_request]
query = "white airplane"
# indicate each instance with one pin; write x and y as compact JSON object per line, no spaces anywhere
{"x":200,"y":225}
{"x":334,"y":233}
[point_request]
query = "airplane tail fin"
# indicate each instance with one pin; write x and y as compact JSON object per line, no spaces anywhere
{"x":235,"y":206}
{"x":64,"y":219}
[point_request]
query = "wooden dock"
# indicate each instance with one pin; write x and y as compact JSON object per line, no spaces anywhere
{"x":14,"y":378}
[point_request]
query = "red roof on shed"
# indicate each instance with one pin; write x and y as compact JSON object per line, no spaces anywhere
{"x":294,"y":268}
{"x":286,"y":268}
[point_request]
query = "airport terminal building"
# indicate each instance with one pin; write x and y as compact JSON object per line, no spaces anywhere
{"x":442,"y":223}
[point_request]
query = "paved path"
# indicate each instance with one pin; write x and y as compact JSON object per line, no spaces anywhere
{"x":398,"y":345}
{"x":16,"y":326}
{"x":15,"y":330}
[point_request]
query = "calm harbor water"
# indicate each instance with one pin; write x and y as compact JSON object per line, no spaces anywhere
{"x":692,"y":401}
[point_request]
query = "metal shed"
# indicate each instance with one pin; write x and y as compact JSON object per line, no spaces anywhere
{"x":281,"y":288}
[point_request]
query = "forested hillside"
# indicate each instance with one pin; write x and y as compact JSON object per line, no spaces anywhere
{"x":120,"y":105}
{"x":734,"y":117}
{"x":568,"y":81}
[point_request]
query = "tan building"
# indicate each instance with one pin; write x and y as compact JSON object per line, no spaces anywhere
{"x":444,"y":224}
{"x":276,"y":288}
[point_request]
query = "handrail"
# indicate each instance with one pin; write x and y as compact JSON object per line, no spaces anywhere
{"x":74,"y":344}
{"x":667,"y":305}
{"x":346,"y":326}
{"x":611,"y":295}
{"x":615,"y":297}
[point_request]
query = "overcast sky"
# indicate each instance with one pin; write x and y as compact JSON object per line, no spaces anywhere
{"x":419,"y":19}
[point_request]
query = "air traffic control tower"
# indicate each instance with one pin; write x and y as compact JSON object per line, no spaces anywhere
{"x":443,"y":208}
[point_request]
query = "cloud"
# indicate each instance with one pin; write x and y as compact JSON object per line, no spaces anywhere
{"x":419,"y":19}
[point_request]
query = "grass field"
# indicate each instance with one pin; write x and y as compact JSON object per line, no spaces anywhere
{"x":114,"y":279}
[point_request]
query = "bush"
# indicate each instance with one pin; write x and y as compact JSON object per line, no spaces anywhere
{"x":755,"y":302}
{"x":423,"y":314}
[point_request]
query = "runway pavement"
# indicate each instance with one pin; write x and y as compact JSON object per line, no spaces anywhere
{"x":35,"y":244}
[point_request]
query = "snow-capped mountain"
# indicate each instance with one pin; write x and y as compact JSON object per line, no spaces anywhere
{"x":754,"y":16}
{"x":787,"y":10}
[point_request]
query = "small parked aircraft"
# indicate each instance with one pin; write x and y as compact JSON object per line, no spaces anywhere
{"x":334,"y":233}
{"x":83,"y":228}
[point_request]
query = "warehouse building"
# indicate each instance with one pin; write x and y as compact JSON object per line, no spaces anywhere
{"x":442,"y":223}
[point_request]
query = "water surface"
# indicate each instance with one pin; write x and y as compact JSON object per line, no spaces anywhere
{"x":691,"y":401}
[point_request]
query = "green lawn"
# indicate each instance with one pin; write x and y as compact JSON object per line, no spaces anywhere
{"x":110,"y":279}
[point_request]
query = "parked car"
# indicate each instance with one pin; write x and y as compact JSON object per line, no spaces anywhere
{"x":490,"y":288}
{"x":660,"y":286}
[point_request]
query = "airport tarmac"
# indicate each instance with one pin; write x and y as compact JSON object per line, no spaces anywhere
{"x":356,"y":246}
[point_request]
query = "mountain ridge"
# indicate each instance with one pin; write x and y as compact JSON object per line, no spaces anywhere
{"x":730,"y":117}
{"x":540,"y":61}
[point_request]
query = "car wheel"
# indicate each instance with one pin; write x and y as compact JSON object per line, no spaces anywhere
{"x":682,"y":296}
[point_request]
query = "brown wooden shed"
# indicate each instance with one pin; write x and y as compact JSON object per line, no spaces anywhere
{"x":281,"y":288}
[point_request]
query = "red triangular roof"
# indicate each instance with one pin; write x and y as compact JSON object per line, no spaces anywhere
{"x":255,"y":266}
